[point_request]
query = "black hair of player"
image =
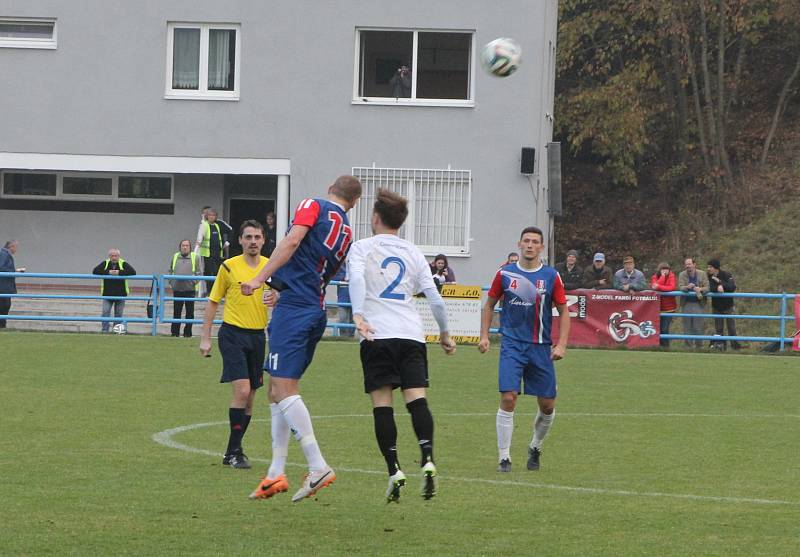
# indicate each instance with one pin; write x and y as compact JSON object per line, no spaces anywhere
{"x":251,"y":224}
{"x":532,"y":230}
{"x":392,"y":208}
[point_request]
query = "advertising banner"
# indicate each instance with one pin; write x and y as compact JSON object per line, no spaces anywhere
{"x":463,"y":314}
{"x":611,"y":318}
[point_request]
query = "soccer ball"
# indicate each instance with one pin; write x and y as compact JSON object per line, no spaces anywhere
{"x":119,"y":328}
{"x":501,"y":57}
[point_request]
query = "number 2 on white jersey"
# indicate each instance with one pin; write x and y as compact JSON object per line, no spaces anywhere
{"x":388,"y":292}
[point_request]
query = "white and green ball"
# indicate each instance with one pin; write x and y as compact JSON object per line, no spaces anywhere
{"x":501,"y":57}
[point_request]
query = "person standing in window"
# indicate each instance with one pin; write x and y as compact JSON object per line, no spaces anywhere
{"x":270,"y":235}
{"x":401,"y":83}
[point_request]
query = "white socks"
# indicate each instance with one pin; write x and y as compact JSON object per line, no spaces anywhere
{"x":297,"y":418}
{"x":541,"y":425}
{"x":280,"y":442}
{"x":505,"y":427}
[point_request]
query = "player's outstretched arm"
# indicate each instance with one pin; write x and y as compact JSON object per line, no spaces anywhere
{"x":282,"y":254}
{"x":560,"y":349}
{"x":205,"y":334}
{"x":486,"y":322}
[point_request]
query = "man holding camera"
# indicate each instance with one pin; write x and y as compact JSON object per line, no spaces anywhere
{"x":401,"y":83}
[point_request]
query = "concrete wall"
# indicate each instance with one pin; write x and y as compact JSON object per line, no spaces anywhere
{"x":102,"y":92}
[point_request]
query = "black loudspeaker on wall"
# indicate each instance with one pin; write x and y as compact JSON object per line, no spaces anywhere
{"x":527,"y":160}
{"x":554,"y":178}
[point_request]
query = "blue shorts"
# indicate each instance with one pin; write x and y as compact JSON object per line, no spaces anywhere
{"x":293,"y":336}
{"x":531,"y":362}
{"x":242,"y":353}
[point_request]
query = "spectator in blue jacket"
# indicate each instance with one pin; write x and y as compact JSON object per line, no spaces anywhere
{"x":629,"y":278}
{"x":8,"y":285}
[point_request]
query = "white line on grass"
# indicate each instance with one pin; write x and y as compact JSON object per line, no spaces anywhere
{"x":165,"y":438}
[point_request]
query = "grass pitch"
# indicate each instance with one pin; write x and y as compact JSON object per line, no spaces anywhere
{"x":650,"y":454}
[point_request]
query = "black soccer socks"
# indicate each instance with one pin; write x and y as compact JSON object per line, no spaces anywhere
{"x":237,"y":418}
{"x":422,"y":420}
{"x":386,"y":434}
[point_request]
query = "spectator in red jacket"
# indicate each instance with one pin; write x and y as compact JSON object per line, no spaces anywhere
{"x":664,"y":281}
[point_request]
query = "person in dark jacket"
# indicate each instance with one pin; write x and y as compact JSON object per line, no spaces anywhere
{"x":114,"y":266}
{"x":571,"y":274}
{"x":597,"y":275}
{"x":720,"y":281}
{"x":8,"y":285}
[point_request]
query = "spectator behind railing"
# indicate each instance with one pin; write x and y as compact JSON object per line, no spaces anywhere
{"x":115,"y":266}
{"x":8,"y":285}
{"x":664,"y":281}
{"x":183,"y":262}
{"x":629,"y":278}
{"x":693,"y":280}
{"x":722,"y":281}
{"x":441,"y":271}
{"x":571,"y":275}
{"x":597,"y":275}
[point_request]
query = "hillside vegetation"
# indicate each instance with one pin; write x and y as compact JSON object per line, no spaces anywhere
{"x":680,"y":126}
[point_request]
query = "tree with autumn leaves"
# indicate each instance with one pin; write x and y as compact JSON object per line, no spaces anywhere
{"x":676,"y":82}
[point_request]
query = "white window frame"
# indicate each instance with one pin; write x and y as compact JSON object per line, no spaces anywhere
{"x":114,"y":197}
{"x":413,"y":101}
{"x":46,"y":44}
{"x":386,"y":177}
{"x":202,"y":93}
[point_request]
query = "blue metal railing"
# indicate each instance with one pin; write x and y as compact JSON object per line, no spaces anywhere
{"x":159,"y":297}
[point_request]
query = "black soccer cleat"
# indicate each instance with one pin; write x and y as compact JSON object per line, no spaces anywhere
{"x":504,"y":466}
{"x":533,"y":458}
{"x":236,"y":460}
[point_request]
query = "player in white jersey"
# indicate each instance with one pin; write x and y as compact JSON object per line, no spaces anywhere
{"x":386,"y":272}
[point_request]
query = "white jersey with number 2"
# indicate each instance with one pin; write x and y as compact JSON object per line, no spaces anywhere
{"x":394,"y":271}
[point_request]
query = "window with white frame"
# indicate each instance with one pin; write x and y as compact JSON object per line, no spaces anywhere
{"x":203,"y":61}
{"x":87,"y":186}
{"x":414,"y":67}
{"x":27,"y":33}
{"x":438,"y":206}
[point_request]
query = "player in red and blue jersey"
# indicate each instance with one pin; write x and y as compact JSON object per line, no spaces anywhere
{"x":304,"y":262}
{"x":530,"y":290}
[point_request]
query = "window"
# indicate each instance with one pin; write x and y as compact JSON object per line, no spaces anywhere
{"x":145,"y":187}
{"x":87,"y":186}
{"x":414,"y":67}
{"x":27,"y":33}
{"x":203,"y":61}
{"x":28,"y":183}
{"x":78,"y":185}
{"x":438,"y":206}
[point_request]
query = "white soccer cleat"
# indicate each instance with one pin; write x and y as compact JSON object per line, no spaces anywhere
{"x":396,"y":481}
{"x":429,"y":480}
{"x":313,"y":482}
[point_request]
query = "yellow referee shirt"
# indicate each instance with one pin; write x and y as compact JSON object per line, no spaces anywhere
{"x":247,"y":312}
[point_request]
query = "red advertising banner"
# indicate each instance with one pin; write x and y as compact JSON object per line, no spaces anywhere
{"x":612,"y":318}
{"x":796,"y":340}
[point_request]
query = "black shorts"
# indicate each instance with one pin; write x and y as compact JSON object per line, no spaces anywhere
{"x":397,"y":362}
{"x":242,"y":353}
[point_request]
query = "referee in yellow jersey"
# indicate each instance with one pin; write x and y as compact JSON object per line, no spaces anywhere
{"x":241,"y":336}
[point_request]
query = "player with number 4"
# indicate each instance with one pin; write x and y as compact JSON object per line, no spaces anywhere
{"x":305,"y":261}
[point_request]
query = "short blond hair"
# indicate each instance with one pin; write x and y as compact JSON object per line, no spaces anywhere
{"x":346,"y":187}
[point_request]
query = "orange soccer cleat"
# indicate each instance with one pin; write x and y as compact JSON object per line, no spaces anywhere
{"x":270,"y":486}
